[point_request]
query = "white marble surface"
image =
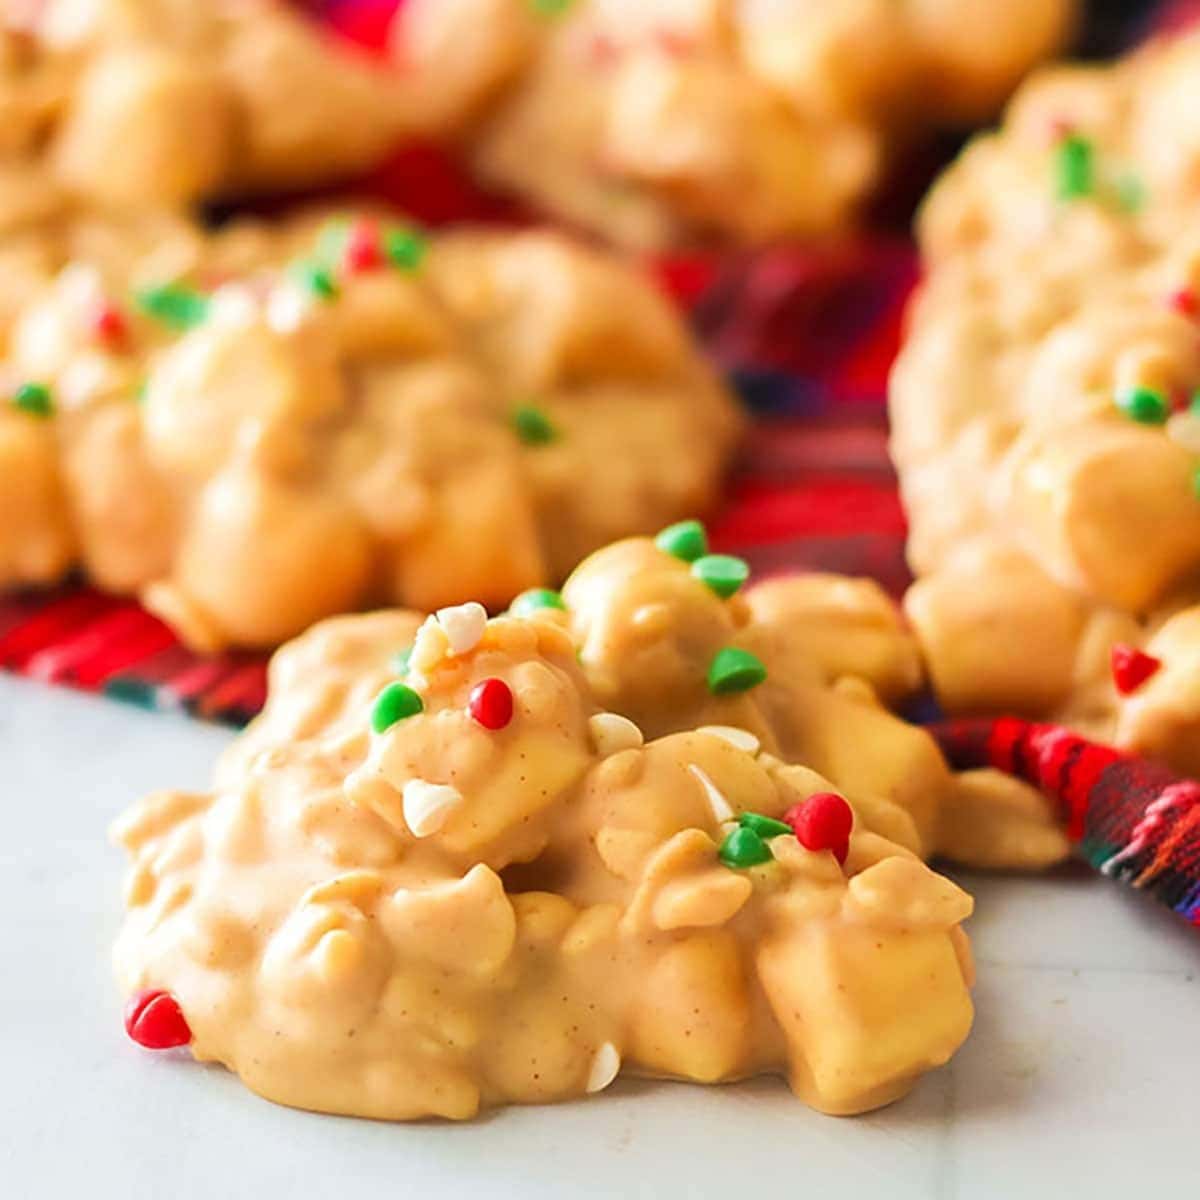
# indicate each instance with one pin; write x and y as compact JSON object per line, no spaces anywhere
{"x":1082,"y":1075}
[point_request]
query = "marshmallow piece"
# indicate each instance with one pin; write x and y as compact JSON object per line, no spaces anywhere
{"x":612,"y":733}
{"x":741,"y":739}
{"x":604,"y":1070}
{"x":427,"y":805}
{"x":463,"y":625}
{"x":721,"y":809}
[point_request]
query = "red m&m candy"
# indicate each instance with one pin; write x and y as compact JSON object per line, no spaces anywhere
{"x":154,"y":1020}
{"x":491,"y":703}
{"x":822,"y":822}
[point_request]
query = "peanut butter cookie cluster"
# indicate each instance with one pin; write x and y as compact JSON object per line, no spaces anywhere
{"x":652,"y":824}
{"x":656,"y":123}
{"x":144,"y":103}
{"x":282,"y":422}
{"x":1045,"y":409}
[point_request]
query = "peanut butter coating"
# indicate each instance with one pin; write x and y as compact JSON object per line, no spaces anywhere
{"x":1049,"y":523}
{"x":437,"y":916}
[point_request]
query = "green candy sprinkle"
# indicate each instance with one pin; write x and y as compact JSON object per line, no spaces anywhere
{"x":722,"y":572}
{"x":174,"y":305}
{"x":765,"y":827}
{"x":1194,"y":406}
{"x":34,"y":399}
{"x":1144,"y":405}
{"x":1196,"y":483}
{"x":527,"y":603}
{"x":533,"y":427}
{"x":395,"y":703}
{"x":404,"y":248}
{"x":400,"y":661}
{"x":685,"y":540}
{"x":1075,"y":167}
{"x":743,"y":848}
{"x":316,"y":279}
{"x":550,"y":8}
{"x":734,"y":670}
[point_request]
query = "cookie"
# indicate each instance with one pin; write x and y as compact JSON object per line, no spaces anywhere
{"x":660,"y":123}
{"x":139,"y":103}
{"x":1041,"y":408}
{"x":299,"y":419}
{"x":440,"y":869}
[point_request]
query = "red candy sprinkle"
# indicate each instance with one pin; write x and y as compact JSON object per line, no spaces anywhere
{"x":491,"y":703}
{"x":1184,"y":302}
{"x":1131,"y":668}
{"x":822,"y":822}
{"x":109,"y":325}
{"x":363,"y":250}
{"x":154,"y":1020}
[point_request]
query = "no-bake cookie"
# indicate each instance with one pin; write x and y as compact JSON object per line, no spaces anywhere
{"x":640,"y":825}
{"x":283,"y":422}
{"x":1044,"y":409}
{"x":158,"y":102}
{"x":659,"y":122}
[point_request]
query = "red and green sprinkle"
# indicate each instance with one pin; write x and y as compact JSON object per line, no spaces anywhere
{"x":685,"y":540}
{"x":533,"y":426}
{"x":175,"y":305}
{"x":534,"y":600}
{"x":34,"y":399}
{"x":397,"y":702}
{"x":723,"y":573}
{"x":1145,"y":405}
{"x":735,"y":670}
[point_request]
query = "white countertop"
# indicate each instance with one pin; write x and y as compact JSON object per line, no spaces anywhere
{"x":1082,"y":1075}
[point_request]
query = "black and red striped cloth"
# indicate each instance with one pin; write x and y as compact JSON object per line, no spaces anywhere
{"x":806,"y":335}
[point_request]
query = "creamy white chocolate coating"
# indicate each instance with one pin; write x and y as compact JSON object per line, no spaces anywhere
{"x":139,"y":103}
{"x":657,"y":122}
{"x":292,"y":456}
{"x":1048,"y":525}
{"x":433,"y":916}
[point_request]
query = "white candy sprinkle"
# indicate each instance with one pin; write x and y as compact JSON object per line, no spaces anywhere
{"x":721,"y":809}
{"x":287,"y":308}
{"x":1184,"y":429}
{"x":742,"y":739}
{"x":463,"y":625}
{"x":612,"y":732}
{"x":234,"y":306}
{"x":427,"y":805}
{"x":604,"y":1070}
{"x":80,"y":285}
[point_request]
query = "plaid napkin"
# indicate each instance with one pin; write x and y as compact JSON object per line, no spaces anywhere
{"x":806,"y":336}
